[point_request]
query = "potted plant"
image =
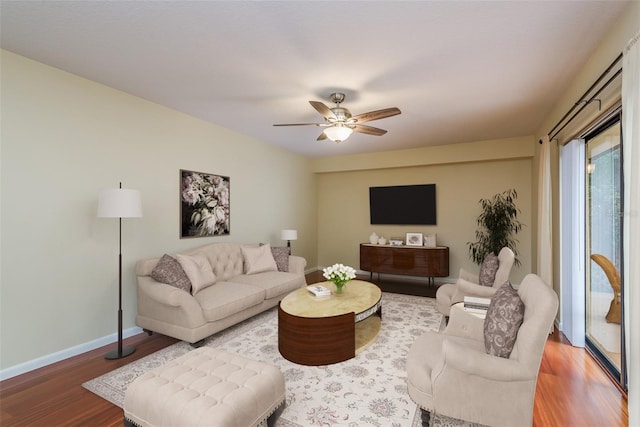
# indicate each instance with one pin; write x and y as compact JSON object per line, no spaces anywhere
{"x":498,"y":224}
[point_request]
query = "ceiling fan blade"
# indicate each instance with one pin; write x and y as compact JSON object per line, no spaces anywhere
{"x":376,"y":115}
{"x":321,"y":137}
{"x":323,"y":109}
{"x":299,"y":124}
{"x":369,"y":130}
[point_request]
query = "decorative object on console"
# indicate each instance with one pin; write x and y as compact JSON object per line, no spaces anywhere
{"x":396,"y":241}
{"x":373,"y":239}
{"x":119,"y":203}
{"x":430,"y":240}
{"x":498,"y":224}
{"x":289,"y":235}
{"x":204,"y":204}
{"x":414,"y":239}
{"x":382,"y":241}
{"x":339,"y":274}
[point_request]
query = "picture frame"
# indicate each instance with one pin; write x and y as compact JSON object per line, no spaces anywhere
{"x":205,"y":204}
{"x":413,"y":239}
{"x":430,"y":240}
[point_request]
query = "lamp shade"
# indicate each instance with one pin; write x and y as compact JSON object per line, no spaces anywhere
{"x":338,"y":132}
{"x":119,"y":203}
{"x":289,"y":235}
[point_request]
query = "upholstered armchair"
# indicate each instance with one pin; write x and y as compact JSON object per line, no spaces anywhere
{"x":468,"y":284}
{"x":450,"y":372}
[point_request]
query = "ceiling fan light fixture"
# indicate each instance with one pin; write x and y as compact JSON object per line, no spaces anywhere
{"x":338,"y":132}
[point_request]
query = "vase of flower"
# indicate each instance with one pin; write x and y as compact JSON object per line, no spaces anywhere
{"x":339,"y":275}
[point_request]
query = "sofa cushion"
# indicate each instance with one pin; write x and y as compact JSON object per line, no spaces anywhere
{"x":488,"y":270}
{"x":274,"y":283}
{"x":258,"y":259}
{"x":227,"y":298}
{"x":281,"y":257}
{"x":198,"y":271}
{"x":504,"y":317}
{"x":169,"y":271}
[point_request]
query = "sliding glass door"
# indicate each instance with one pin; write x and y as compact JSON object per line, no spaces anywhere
{"x":604,"y":295}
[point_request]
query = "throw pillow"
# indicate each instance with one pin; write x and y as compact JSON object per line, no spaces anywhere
{"x":488,"y":270}
{"x":504,"y":317}
{"x":169,"y":271}
{"x":281,"y":257}
{"x":258,"y":260}
{"x":198,"y":271}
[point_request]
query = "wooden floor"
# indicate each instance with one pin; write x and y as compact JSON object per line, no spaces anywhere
{"x":571,"y":391}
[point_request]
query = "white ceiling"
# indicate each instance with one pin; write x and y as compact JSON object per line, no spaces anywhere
{"x":460,"y":71}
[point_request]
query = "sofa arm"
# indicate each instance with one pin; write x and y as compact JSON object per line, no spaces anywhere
{"x":297,"y":264}
{"x":168,"y":304}
{"x":163,"y":293}
{"x":481,"y":364}
{"x":473,"y":290}
{"x":465,"y":288}
{"x":468,"y":276}
{"x":465,"y":325}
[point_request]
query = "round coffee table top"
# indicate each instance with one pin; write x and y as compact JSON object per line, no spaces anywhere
{"x":357,"y":296}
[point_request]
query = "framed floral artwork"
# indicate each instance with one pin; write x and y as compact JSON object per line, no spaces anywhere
{"x":414,"y":239}
{"x":204,"y":204}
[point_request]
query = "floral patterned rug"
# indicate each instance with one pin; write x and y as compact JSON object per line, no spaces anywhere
{"x":368,"y":390}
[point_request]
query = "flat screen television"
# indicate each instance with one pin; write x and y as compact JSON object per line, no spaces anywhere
{"x":403,"y":204}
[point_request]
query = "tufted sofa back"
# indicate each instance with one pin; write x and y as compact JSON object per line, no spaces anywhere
{"x":225,"y":259}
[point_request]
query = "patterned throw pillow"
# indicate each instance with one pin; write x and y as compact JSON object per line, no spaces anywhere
{"x":281,"y":255}
{"x":169,"y":271}
{"x":504,"y":317}
{"x":488,"y":270}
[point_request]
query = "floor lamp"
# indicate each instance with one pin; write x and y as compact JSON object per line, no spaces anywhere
{"x":119,"y":203}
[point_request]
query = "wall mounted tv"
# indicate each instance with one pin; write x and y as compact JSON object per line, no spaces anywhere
{"x":403,"y":204}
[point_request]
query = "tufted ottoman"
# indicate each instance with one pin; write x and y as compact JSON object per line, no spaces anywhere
{"x":205,"y":387}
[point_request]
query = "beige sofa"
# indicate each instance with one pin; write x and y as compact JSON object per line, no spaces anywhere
{"x":234,"y":296}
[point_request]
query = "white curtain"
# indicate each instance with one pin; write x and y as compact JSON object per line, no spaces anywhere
{"x":631,"y":165}
{"x":572,"y":241}
{"x":545,"y":258}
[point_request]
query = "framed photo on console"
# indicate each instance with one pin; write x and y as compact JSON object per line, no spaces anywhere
{"x":414,"y":239}
{"x":204,"y":204}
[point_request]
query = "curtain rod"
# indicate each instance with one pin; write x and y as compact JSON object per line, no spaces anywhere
{"x":582,"y":100}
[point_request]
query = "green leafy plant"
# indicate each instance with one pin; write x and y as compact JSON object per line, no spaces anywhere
{"x":498,"y":224}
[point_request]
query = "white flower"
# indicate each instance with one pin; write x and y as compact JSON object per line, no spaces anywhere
{"x":339,"y":273}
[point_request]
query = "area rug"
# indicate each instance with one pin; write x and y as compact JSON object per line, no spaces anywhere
{"x":368,"y":390}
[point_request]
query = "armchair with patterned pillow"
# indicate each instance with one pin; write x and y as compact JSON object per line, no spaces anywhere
{"x":494,"y":272}
{"x":485,"y":370}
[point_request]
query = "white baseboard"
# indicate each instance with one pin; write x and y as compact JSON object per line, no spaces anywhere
{"x":31,"y":365}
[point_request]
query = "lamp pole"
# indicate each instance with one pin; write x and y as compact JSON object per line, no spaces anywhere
{"x":119,"y":203}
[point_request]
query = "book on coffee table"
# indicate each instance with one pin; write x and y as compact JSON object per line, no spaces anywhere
{"x":319,"y":291}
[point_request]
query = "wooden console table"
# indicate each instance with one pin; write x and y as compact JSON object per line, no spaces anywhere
{"x":405,"y":260}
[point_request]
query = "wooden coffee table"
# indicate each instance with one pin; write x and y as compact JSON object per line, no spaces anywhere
{"x":324,"y":331}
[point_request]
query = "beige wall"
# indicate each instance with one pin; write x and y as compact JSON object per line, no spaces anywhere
{"x":63,"y":139}
{"x":462,"y":174}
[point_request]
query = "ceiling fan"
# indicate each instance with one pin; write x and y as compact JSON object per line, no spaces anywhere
{"x":339,"y":123}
